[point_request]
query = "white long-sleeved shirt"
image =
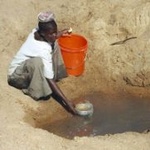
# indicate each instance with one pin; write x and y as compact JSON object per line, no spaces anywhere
{"x":34,"y":48}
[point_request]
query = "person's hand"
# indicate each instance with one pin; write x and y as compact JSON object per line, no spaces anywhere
{"x":64,"y":32}
{"x":71,"y":108}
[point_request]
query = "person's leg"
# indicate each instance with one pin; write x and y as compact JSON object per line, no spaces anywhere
{"x":38,"y":86}
{"x":29,"y":77}
{"x":20,"y":78}
{"x":58,"y":64}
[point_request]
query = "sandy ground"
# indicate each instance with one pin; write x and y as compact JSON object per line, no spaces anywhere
{"x":108,"y":68}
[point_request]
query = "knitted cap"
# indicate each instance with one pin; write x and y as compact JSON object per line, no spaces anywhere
{"x":46,"y":16}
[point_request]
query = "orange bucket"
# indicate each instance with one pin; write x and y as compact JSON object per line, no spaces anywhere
{"x":73,"y":49}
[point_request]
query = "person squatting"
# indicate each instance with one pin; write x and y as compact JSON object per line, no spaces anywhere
{"x":38,"y":64}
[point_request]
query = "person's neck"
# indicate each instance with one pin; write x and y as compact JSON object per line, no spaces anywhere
{"x":40,"y":37}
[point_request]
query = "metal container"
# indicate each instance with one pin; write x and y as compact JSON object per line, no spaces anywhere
{"x":84,"y":109}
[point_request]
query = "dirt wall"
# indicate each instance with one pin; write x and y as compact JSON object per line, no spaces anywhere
{"x":108,"y":65}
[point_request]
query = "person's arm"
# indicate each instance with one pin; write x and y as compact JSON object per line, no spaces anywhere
{"x":64,"y":32}
{"x":57,"y":91}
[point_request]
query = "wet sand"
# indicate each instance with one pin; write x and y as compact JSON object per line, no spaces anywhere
{"x":112,"y":114}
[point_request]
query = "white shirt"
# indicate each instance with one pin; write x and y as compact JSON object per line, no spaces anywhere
{"x":34,"y":48}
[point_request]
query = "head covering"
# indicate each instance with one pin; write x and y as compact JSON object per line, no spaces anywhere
{"x":46,"y":16}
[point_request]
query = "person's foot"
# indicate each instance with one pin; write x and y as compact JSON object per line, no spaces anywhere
{"x":25,"y":91}
{"x":45,"y":98}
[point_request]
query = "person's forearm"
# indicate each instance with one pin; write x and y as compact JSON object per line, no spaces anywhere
{"x":57,"y":90}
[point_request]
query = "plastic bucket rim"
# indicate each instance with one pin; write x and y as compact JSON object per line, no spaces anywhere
{"x":83,"y":48}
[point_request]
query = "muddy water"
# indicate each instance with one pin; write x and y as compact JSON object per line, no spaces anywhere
{"x":112,"y":114}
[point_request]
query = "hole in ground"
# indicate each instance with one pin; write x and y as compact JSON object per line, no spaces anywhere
{"x":115,"y":113}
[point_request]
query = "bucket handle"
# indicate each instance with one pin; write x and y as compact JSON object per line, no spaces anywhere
{"x":79,"y":64}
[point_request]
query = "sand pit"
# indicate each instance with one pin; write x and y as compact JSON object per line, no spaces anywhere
{"x":110,"y":68}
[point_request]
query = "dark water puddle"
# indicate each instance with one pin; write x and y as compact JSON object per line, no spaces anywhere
{"x":112,"y":114}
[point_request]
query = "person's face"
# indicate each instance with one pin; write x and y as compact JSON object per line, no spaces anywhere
{"x":51,"y":35}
